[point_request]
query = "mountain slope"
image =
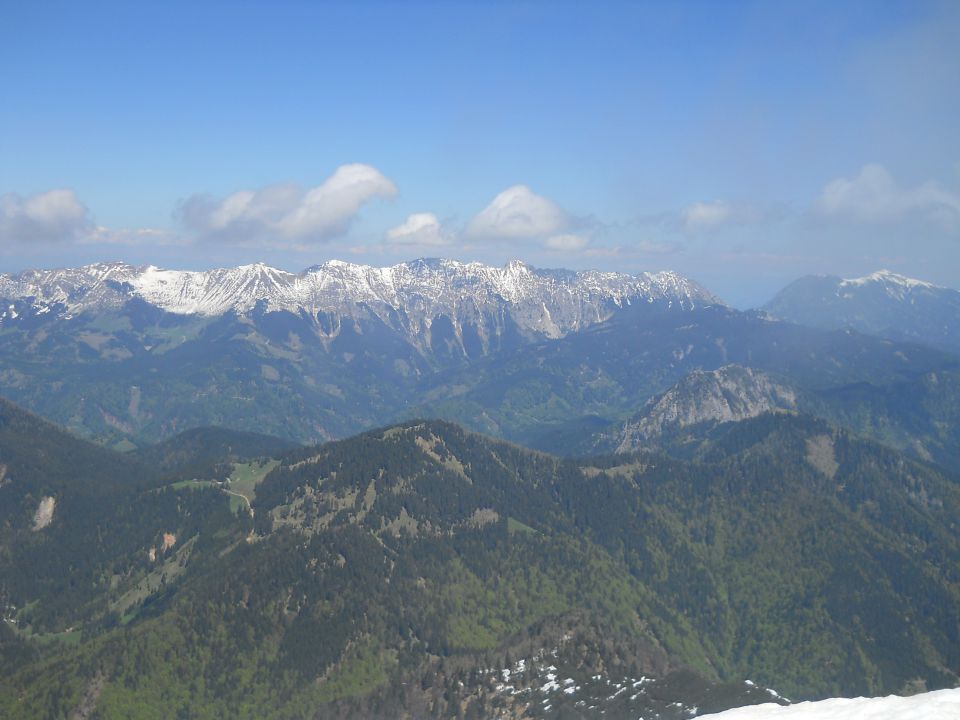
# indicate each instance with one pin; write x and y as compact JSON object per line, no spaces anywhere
{"x":390,"y":571}
{"x":883,"y":303}
{"x":798,"y":531}
{"x":611,"y":370}
{"x":77,"y":521}
{"x":197,"y":450}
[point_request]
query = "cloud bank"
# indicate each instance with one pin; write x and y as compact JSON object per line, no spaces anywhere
{"x":874,"y":196}
{"x":46,"y":217}
{"x":279,"y":213}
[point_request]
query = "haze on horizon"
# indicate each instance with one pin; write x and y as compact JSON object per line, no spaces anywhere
{"x":742,"y":144}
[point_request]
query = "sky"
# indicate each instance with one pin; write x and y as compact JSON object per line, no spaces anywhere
{"x":743,"y":144}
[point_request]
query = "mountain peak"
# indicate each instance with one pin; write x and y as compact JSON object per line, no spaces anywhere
{"x":886,"y":276}
{"x":882,"y":303}
{"x":517,"y":266}
{"x":729,"y":393}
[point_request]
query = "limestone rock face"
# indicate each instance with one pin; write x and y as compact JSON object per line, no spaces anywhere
{"x":727,"y":394}
{"x":426,"y":301}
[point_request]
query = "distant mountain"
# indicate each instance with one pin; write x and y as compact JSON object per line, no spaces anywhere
{"x":123,"y":354}
{"x":556,"y":396}
{"x":884,"y":303}
{"x":727,"y":394}
{"x":920,"y":416}
{"x":470,"y":303}
{"x":119,"y":352}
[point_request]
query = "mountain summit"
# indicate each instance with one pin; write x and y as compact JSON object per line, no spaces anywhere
{"x":882,"y":303}
{"x":729,"y":393}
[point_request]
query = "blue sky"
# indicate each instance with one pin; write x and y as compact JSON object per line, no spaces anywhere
{"x":741,"y":143}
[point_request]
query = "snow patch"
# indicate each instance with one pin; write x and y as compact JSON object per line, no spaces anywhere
{"x":886,"y":276}
{"x":937,"y":705}
{"x":44,"y":515}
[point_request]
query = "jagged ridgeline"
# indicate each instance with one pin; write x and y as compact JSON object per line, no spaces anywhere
{"x":548,"y":358}
{"x":399,"y":571}
{"x":125,"y":353}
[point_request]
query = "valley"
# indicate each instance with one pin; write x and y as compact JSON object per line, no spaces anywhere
{"x":710,"y":495}
{"x":510,"y":360}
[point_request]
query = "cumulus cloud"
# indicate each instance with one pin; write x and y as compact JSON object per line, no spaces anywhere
{"x":874,"y":196}
{"x":286,"y":212}
{"x":519,"y":213}
{"x":52,"y":216}
{"x":420,"y":229}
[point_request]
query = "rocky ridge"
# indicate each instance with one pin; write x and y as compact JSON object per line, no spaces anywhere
{"x":551,"y":302}
{"x":729,"y":393}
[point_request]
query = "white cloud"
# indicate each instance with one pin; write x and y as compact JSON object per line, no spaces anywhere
{"x":130,"y":236}
{"x":707,"y":216}
{"x":286,"y":212}
{"x":419,"y":229}
{"x":52,"y":216}
{"x":874,"y":196}
{"x":519,"y":213}
{"x":566,"y":243}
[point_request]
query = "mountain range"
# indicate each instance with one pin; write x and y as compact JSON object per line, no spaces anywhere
{"x":131,"y":355}
{"x":706,"y":495}
{"x":476,"y":300}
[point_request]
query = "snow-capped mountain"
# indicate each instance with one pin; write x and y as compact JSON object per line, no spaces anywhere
{"x":882,"y":303}
{"x":548,"y":303}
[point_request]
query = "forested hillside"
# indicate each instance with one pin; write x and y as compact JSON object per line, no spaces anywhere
{"x":394,"y":569}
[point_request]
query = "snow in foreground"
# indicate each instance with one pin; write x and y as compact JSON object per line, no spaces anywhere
{"x":938,"y":705}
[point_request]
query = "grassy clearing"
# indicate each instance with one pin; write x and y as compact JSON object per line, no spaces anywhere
{"x":172,"y":566}
{"x":515,"y":526}
{"x":365,"y":667}
{"x":70,"y":636}
{"x":246,"y":476}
